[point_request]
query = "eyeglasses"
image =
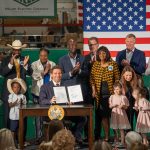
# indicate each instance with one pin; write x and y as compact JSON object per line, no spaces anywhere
{"x":93,"y":44}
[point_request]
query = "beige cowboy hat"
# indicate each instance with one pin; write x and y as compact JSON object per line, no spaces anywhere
{"x":18,"y":80}
{"x":17,"y":45}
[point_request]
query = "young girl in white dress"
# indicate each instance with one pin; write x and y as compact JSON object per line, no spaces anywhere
{"x":16,"y":87}
{"x":143,"y":106}
{"x":119,"y":120}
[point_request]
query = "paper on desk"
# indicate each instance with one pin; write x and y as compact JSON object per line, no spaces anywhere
{"x":61,"y":95}
{"x":75,"y":93}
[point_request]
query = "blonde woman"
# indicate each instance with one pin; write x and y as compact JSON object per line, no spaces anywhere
{"x":63,"y":139}
{"x":6,"y":140}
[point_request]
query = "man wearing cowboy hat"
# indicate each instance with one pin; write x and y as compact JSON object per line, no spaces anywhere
{"x":9,"y":71}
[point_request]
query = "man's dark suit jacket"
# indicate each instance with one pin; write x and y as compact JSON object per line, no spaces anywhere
{"x":138,"y":61}
{"x":88,"y":64}
{"x":66,"y":66}
{"x":46,"y":93}
{"x":80,"y":78}
{"x":87,"y":61}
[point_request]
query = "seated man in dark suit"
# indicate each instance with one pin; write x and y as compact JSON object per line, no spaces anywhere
{"x":47,"y":97}
{"x":46,"y":92}
{"x":131,"y":56}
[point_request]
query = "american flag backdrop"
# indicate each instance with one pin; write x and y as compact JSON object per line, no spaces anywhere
{"x":112,"y":20}
{"x":80,"y":12}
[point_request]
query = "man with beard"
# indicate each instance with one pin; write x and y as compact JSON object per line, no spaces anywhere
{"x":9,"y":71}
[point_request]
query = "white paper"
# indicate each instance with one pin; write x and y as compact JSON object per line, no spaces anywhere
{"x":75,"y":93}
{"x":61,"y":95}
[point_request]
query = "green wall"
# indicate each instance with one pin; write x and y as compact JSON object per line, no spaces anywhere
{"x":54,"y":54}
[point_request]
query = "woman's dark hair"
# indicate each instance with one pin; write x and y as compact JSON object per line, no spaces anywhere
{"x":104,"y":49}
{"x":43,"y":49}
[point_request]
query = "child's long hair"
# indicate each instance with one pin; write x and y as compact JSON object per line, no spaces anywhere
{"x":133,"y":82}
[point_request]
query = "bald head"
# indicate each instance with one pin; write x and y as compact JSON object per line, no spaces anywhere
{"x":72,"y":45}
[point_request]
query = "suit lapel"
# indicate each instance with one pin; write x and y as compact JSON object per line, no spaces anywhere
{"x":89,"y":57}
{"x":124,"y":54}
{"x":51,"y":84}
{"x":69,"y":62}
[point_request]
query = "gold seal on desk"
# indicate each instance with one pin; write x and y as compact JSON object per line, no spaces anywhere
{"x":56,"y":112}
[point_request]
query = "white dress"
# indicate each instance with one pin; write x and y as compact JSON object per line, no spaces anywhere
{"x":14,"y":111}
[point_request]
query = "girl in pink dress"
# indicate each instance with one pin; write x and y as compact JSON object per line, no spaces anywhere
{"x":143,"y":106}
{"x":119,"y":120}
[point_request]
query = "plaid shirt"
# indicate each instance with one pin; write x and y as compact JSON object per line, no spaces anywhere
{"x":110,"y":74}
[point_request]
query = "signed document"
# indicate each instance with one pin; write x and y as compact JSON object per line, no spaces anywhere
{"x":61,"y":95}
{"x":75,"y":93}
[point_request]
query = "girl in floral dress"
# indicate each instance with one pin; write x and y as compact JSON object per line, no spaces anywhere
{"x":119,"y":120}
{"x":143,"y":106}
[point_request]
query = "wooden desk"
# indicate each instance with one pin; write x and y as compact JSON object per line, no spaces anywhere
{"x":74,"y":110}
